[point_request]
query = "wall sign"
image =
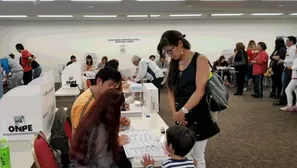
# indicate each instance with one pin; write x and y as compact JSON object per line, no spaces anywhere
{"x":124,"y":40}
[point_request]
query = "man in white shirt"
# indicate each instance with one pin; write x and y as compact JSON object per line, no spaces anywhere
{"x":149,"y":70}
{"x":287,"y":73}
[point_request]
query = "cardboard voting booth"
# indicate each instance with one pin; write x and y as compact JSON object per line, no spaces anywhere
{"x":28,"y":109}
{"x":72,"y":74}
{"x":150,"y":98}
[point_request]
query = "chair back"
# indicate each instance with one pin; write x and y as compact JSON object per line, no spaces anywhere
{"x":89,"y":83}
{"x":68,"y":129}
{"x":42,"y":152}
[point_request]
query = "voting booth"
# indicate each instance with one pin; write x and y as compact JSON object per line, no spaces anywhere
{"x":71,"y":75}
{"x":150,"y":98}
{"x":27,"y":109}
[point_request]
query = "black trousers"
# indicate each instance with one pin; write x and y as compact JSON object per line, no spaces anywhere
{"x":258,"y":84}
{"x":287,"y":79}
{"x":240,"y":77}
{"x":276,"y":83}
{"x":27,"y":78}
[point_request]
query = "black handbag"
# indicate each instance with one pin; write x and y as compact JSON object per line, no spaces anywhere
{"x":217,"y":94}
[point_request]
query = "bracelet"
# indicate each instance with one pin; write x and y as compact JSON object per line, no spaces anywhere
{"x":150,"y":166}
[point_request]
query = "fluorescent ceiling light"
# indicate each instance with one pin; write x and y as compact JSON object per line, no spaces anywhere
{"x":223,"y":0}
{"x":267,"y":14}
{"x":293,"y":14}
{"x":13,"y":16}
{"x":158,"y":0}
{"x":18,"y":0}
{"x":154,"y":16}
{"x":227,"y":14}
{"x":185,"y":15}
{"x":54,"y":16}
{"x":100,"y":16}
{"x":137,"y":15}
{"x":96,"y":0}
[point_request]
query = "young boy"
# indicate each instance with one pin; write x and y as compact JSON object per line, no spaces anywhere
{"x":180,"y":141}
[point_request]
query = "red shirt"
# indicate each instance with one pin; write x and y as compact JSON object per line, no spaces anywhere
{"x":260,"y":67}
{"x":251,"y":55}
{"x":25,"y":63}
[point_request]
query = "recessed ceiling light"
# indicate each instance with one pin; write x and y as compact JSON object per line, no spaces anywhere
{"x":154,"y":15}
{"x":137,"y":16}
{"x":185,"y":15}
{"x":55,"y":16}
{"x":227,"y":14}
{"x":267,"y":14}
{"x":100,"y":16}
{"x":293,"y":14}
{"x":13,"y":16}
{"x":96,"y":0}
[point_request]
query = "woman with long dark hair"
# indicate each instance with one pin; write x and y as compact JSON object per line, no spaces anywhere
{"x":187,"y":78}
{"x":277,"y":69}
{"x":95,"y":142}
{"x":89,"y":63}
{"x":240,"y":64}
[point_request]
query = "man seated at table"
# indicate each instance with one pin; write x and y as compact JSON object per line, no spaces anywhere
{"x":106,"y":78}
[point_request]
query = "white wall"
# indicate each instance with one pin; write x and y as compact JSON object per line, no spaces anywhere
{"x":55,"y":42}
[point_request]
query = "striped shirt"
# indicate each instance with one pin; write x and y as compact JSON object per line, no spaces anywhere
{"x":172,"y":163}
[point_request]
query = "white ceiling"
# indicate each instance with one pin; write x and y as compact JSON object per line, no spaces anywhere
{"x":164,"y":9}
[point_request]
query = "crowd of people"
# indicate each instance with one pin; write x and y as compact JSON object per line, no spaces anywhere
{"x":20,"y":72}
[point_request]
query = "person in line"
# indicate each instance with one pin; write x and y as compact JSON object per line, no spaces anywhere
{"x":252,"y":52}
{"x":221,"y":62}
{"x":13,"y":71}
{"x":259,"y":63}
{"x":106,"y":78}
{"x":287,"y":73}
{"x":152,"y":57}
{"x":187,"y":79}
{"x":162,"y":63}
{"x":72,"y":60}
{"x":37,"y":70}
{"x":101,"y":65}
{"x":89,"y":63}
{"x":240,"y":64}
{"x":96,"y":142}
{"x":292,"y":87}
{"x":26,"y":63}
{"x":177,"y":147}
{"x":277,"y":69}
{"x":148,"y":69}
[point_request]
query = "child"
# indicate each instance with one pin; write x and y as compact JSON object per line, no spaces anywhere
{"x":290,"y":88}
{"x":180,"y":141}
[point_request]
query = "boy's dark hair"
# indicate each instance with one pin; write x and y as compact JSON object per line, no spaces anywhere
{"x":263,"y":45}
{"x":109,"y":73}
{"x":72,"y":57}
{"x":12,"y":56}
{"x":181,"y":138}
{"x":292,"y":38}
{"x":152,"y":56}
{"x":113,"y":64}
{"x":19,"y":46}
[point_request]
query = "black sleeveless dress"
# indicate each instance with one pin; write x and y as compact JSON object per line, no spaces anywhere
{"x":199,"y":118}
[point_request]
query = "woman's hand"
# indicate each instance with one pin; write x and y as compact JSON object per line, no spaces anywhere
{"x":123,"y":140}
{"x":147,"y":160}
{"x":253,"y":62}
{"x":127,"y":107}
{"x":179,"y":116}
{"x":125,"y":121}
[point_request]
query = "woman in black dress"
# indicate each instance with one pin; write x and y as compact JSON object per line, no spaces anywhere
{"x":187,"y":78}
{"x":240,"y":64}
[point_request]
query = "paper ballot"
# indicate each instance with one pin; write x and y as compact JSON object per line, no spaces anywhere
{"x":142,"y":142}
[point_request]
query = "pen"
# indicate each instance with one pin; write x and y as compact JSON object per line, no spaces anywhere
{"x":147,"y":115}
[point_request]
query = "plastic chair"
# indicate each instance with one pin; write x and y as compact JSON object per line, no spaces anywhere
{"x":42,"y":152}
{"x":89,"y":83}
{"x":68,"y":129}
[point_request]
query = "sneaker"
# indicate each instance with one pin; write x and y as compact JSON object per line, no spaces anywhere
{"x":245,"y":89}
{"x":287,"y":108}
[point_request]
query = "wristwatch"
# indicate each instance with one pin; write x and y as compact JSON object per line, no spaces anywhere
{"x":184,"y":110}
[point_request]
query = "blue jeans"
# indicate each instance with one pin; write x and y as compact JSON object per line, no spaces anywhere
{"x":258,"y":84}
{"x":248,"y":75}
{"x":37,"y":72}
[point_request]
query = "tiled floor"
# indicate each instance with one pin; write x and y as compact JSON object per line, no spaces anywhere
{"x":254,"y":134}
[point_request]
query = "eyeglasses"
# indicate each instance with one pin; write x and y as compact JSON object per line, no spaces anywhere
{"x":169,"y":51}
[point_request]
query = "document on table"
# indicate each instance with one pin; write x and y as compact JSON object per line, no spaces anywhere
{"x":142,"y":142}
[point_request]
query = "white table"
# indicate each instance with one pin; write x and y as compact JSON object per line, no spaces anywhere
{"x":21,"y":154}
{"x":155,"y":123}
{"x":222,"y":69}
{"x":71,"y":91}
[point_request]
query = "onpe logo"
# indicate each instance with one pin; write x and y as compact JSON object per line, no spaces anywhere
{"x":20,"y":125}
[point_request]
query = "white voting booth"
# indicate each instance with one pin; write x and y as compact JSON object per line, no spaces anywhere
{"x":28,"y":109}
{"x":150,"y":98}
{"x":72,"y":74}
